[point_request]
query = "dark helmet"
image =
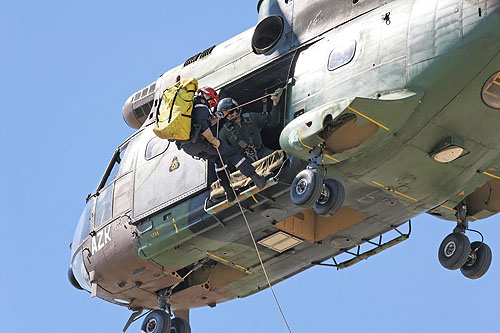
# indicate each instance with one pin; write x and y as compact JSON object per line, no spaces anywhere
{"x":229,"y":104}
{"x":210,"y":95}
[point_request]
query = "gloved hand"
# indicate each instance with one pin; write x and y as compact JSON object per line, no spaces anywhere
{"x":216,"y":143}
{"x":276,"y":96}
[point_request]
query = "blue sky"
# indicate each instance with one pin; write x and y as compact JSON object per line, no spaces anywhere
{"x":66,"y":69}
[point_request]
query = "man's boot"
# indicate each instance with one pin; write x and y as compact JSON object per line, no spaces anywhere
{"x":260,"y":181}
{"x":230,"y":197}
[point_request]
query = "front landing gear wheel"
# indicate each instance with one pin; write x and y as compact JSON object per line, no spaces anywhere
{"x":331,"y":198}
{"x":478,"y":261}
{"x":454,"y":251}
{"x":180,"y":325}
{"x":156,"y":322}
{"x":306,"y":188}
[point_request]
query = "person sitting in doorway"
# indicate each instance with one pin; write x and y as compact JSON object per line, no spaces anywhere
{"x":203,"y":144}
{"x":242,"y":131}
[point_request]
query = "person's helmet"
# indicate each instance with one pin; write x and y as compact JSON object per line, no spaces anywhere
{"x":210,"y":95}
{"x":229,"y":104}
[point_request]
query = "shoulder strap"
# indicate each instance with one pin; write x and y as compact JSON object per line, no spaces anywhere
{"x":173,"y":103}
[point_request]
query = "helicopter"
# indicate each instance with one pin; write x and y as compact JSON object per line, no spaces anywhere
{"x":375,"y":129}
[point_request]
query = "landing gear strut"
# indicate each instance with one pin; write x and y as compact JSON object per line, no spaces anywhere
{"x":159,"y":321}
{"x":309,"y":188}
{"x":456,"y":251}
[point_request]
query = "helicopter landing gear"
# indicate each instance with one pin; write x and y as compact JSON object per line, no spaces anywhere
{"x":331,"y":199}
{"x":478,"y":262}
{"x":456,"y":251}
{"x":180,"y":325}
{"x":310,"y":189}
{"x":306,"y":188}
{"x":157,"y":321}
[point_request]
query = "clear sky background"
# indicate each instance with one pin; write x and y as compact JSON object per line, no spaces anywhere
{"x":66,"y":68}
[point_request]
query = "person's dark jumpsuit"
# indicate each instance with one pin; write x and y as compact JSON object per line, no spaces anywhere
{"x":243,"y":132}
{"x":203,"y":145}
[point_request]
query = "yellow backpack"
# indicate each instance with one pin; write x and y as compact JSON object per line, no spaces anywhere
{"x":173,"y":117}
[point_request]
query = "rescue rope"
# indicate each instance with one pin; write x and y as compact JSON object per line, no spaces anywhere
{"x":248,"y":224}
{"x":247,"y":103}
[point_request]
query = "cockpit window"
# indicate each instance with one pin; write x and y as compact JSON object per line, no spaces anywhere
{"x":155,"y":147}
{"x":84,"y":225}
{"x":128,"y":156}
{"x":122,"y":162}
{"x":341,"y":55}
{"x":103,"y":206}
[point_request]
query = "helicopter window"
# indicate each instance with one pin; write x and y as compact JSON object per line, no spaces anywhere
{"x":80,"y":273}
{"x":128,"y":155}
{"x":103,"y":206}
{"x":84,"y":225}
{"x":491,"y":91}
{"x":155,"y":147}
{"x":122,"y":200}
{"x":341,"y":55}
{"x":122,"y":162}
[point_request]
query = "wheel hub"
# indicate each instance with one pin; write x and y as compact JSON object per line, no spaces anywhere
{"x":301,"y":187}
{"x":151,"y":325}
{"x":325,"y":195}
{"x":450,"y":249}
{"x":472,"y":259}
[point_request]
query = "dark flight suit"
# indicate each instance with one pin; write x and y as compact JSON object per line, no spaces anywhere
{"x":198,"y":146}
{"x":246,"y":136}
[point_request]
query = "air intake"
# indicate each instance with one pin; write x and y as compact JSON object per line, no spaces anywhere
{"x":137,"y":107}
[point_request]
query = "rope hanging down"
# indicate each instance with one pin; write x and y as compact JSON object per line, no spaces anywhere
{"x":246,"y":221}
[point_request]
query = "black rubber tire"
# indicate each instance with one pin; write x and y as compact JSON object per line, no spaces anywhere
{"x":475,"y":268}
{"x":306,"y":188}
{"x":156,"y":322}
{"x":332,"y":204}
{"x":180,"y":325}
{"x":454,"y":251}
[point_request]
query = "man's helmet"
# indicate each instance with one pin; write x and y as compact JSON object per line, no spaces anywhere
{"x":229,"y":104}
{"x":210,"y":95}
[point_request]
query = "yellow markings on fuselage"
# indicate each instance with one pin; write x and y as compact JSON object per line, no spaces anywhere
{"x":447,"y":207}
{"x":407,"y":196}
{"x":394,"y":191}
{"x":228,"y":262}
{"x":254,"y":199}
{"x":300,"y":140}
{"x":370,"y":119}
{"x":216,"y":257}
{"x":491,"y":175}
{"x":175,"y":225}
{"x":302,"y":143}
{"x":155,"y":234}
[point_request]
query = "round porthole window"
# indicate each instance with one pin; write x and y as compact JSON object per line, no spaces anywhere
{"x":491,"y":91}
{"x":267,"y":34}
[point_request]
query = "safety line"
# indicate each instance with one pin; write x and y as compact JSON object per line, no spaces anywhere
{"x":250,"y":102}
{"x":370,"y":119}
{"x":251,"y":234}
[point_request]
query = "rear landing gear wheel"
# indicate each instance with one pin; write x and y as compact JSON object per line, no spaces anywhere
{"x":306,"y":188}
{"x":156,"y":322}
{"x":454,"y":251}
{"x":180,"y":325}
{"x":331,"y":198}
{"x":478,"y":262}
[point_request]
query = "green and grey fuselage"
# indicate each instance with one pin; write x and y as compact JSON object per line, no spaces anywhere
{"x":380,"y":85}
